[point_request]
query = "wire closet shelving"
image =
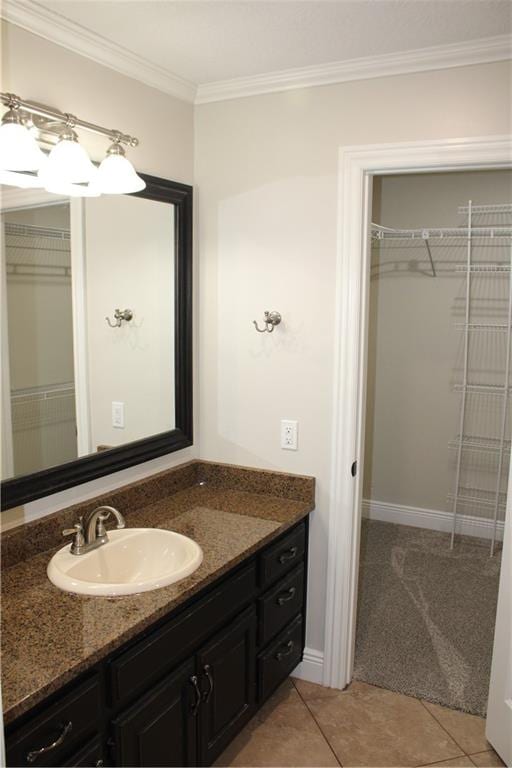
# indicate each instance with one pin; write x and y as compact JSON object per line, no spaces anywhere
{"x":36,"y":251}
{"x":470,"y":239}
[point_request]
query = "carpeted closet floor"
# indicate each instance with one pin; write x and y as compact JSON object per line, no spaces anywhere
{"x":426,"y":614}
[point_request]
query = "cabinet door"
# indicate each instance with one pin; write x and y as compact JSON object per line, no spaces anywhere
{"x":226,"y":666}
{"x":160,"y":729}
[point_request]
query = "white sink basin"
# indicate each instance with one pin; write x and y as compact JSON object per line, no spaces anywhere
{"x":133,"y":560}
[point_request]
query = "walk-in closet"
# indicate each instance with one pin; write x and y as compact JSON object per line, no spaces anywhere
{"x":437,"y":437}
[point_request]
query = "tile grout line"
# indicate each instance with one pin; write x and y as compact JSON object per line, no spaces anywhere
{"x":444,"y":729}
{"x":439,"y":762}
{"x":317,"y":724}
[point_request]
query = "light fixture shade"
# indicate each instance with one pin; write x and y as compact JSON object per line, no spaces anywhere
{"x":117,"y":176}
{"x":19,"y":150}
{"x":23,"y":180}
{"x":69,"y":163}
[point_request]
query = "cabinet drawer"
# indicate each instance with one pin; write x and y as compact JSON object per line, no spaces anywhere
{"x":47,"y":738}
{"x":138,"y":667}
{"x":90,"y":756}
{"x":280,"y":604}
{"x":276,"y":663}
{"x":279,"y":558}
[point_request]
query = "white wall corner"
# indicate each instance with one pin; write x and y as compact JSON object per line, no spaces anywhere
{"x":311,"y":668}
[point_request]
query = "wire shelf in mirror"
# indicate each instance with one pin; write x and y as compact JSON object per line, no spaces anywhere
{"x":484,"y":444}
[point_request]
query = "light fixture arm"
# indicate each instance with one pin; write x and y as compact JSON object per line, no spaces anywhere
{"x":13,"y":101}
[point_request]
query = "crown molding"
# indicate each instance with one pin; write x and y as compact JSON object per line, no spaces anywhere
{"x":54,"y":27}
{"x":57,"y":29}
{"x":481,"y":51}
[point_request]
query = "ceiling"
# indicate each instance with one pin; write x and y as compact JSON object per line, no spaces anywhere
{"x":205,"y":42}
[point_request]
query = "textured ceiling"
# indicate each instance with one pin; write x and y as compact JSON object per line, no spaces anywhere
{"x":216,"y":40}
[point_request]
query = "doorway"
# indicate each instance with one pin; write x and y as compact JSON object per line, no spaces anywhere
{"x":437,"y":442}
{"x":357,"y":167}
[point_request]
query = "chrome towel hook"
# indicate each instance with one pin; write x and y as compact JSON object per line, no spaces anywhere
{"x":271,"y":319}
{"x":119,"y":316}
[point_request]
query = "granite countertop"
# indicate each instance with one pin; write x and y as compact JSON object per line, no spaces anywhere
{"x":50,"y":636}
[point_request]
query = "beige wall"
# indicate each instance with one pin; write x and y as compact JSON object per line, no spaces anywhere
{"x":129,"y":259}
{"x":266,"y":169}
{"x":39,"y":70}
{"x":415,"y":349}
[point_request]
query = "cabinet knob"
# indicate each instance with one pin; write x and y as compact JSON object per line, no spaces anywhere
{"x":208,"y":693}
{"x":288,"y":555}
{"x":35,"y":753}
{"x":288,"y":648}
{"x":285,"y":597}
{"x":195,"y":706}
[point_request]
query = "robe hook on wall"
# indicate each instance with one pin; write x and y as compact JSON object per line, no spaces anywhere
{"x":119,"y":316}
{"x":271,"y":319}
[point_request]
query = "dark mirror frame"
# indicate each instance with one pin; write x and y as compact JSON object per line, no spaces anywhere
{"x":20,"y":490}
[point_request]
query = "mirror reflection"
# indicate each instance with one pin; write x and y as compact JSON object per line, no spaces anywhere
{"x":87,"y":326}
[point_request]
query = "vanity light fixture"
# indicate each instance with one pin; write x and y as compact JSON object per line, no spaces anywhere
{"x":19,"y":150}
{"x":116,"y":174}
{"x":66,"y":168}
{"x":68,"y":162}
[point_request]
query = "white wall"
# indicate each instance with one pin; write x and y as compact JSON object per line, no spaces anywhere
{"x":36,"y":69}
{"x":266,"y":169}
{"x":415,"y":348}
{"x":129,"y":258}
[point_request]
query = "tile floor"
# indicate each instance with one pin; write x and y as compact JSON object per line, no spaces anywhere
{"x":304,"y":724}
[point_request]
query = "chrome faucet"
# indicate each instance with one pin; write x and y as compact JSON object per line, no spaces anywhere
{"x":90,"y":532}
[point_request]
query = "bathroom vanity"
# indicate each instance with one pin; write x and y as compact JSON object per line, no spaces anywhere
{"x":168,"y":677}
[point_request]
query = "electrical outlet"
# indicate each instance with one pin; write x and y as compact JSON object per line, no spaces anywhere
{"x":118,"y":415}
{"x":289,"y":434}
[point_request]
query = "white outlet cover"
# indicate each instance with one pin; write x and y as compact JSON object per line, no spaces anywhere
{"x":289,"y":434}
{"x":117,"y":415}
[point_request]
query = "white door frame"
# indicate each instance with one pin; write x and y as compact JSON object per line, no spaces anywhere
{"x":357,"y":166}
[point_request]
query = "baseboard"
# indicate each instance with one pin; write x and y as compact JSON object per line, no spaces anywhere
{"x":435,"y":519}
{"x":311,"y":668}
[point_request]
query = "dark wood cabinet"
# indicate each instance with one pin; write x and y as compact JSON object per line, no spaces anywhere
{"x":228,"y":673}
{"x":178,"y":694}
{"x":89,"y":755}
{"x":161,"y":728}
{"x":60,"y":728}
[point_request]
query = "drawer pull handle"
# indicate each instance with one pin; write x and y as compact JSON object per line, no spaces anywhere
{"x":280,"y":655}
{"x":286,"y":596}
{"x":197,"y":692}
{"x":35,"y":753}
{"x":288,"y":555}
{"x":208,"y":693}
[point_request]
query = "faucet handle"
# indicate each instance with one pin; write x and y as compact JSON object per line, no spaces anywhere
{"x":101,"y":531}
{"x":104,"y":513}
{"x":77,"y":531}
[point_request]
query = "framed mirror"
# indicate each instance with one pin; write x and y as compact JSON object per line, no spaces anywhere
{"x":96,"y":334}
